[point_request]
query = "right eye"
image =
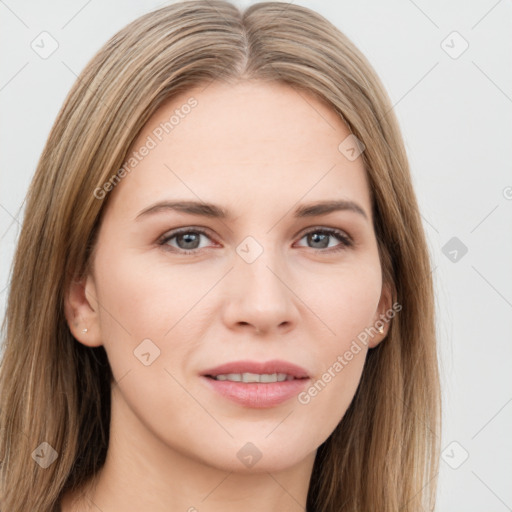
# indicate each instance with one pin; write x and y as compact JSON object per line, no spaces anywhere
{"x":184,"y":241}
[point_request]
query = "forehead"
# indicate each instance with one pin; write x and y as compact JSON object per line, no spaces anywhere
{"x":224,"y":143}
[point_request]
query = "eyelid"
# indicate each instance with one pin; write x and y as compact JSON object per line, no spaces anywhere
{"x":185,"y":229}
{"x":168,"y":235}
{"x":313,"y":229}
{"x":345,"y":240}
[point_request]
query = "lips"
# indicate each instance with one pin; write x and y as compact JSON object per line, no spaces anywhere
{"x":257,"y":385}
{"x":261,"y":368}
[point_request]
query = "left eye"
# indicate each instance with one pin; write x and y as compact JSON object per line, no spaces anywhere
{"x":320,"y":239}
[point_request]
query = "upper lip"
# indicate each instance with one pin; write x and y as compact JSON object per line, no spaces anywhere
{"x":268,"y":367}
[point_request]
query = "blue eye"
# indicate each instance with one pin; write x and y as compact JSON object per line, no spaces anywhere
{"x":188,"y":240}
{"x":320,"y":238}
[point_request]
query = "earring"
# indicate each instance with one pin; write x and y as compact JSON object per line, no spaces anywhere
{"x":380,"y":329}
{"x":84,"y":330}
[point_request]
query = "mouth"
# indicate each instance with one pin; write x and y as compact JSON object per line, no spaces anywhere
{"x":254,"y":371}
{"x":257,"y":385}
{"x":253,"y":377}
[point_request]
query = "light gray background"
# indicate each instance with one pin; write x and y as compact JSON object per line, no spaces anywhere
{"x":455,"y":115}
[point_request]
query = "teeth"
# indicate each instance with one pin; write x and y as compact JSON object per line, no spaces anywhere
{"x":255,"y":377}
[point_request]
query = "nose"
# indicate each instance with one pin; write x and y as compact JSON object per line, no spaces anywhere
{"x":260,"y":298}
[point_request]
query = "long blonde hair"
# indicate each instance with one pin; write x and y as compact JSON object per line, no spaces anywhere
{"x":383,"y":456}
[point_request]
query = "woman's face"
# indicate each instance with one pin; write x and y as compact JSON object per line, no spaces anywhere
{"x":177,"y":292}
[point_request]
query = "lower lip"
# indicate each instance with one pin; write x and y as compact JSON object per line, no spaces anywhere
{"x":256,"y":394}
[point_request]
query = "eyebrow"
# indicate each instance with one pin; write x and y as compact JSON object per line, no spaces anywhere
{"x":213,"y":211}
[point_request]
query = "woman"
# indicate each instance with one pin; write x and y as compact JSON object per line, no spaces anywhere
{"x":221,"y":295}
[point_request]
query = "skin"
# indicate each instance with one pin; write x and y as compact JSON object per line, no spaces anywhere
{"x":258,"y":150}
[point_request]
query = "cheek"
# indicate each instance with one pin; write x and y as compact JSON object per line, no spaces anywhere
{"x":347,"y":304}
{"x":143,"y":297}
{"x":328,"y":397}
{"x":155,"y":301}
{"x":345,"y":299}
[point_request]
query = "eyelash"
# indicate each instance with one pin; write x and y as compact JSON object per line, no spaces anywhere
{"x":346,"y":242}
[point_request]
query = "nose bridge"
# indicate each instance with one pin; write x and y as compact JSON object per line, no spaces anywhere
{"x":258,"y":294}
{"x":258,"y":269}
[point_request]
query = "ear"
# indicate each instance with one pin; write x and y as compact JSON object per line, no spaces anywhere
{"x":81,"y":309}
{"x":382,"y":317}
